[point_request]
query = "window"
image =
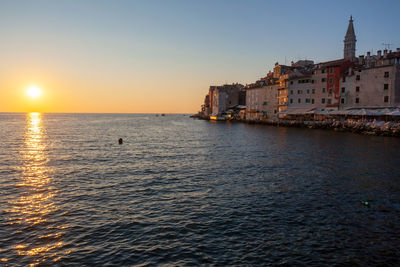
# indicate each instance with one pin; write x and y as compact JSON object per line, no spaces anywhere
{"x":386,"y":99}
{"x":265,"y":103}
{"x":307,"y":100}
{"x":330,"y":90}
{"x":358,"y":89}
{"x":291,"y":92}
{"x":386,"y":86}
{"x":357,"y":100}
{"x":386,"y":74}
{"x":330,"y":80}
{"x":299,"y":92}
{"x":312,"y":81}
{"x":312,"y":101}
{"x":323,"y":71}
{"x":331,"y":70}
{"x":358,"y":78}
{"x":299,"y":100}
{"x":308,"y":91}
{"x":323,"y":90}
{"x":323,"y":100}
{"x":291,"y":101}
{"x":343,"y":79}
{"x":313,"y":91}
{"x":343,"y":89}
{"x":329,"y":101}
{"x":291,"y":82}
{"x":342,"y":100}
{"x":323,"y":80}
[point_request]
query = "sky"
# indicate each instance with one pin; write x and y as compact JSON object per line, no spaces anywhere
{"x":152,"y":56}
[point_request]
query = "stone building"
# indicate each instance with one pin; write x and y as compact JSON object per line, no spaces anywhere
{"x":224,"y":97}
{"x":291,"y":81}
{"x":373,"y":82}
{"x":262,"y":97}
{"x":254,"y":101}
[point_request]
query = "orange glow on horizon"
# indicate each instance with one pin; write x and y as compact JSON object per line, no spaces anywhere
{"x":67,"y":95}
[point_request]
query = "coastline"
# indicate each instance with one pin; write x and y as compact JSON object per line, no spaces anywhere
{"x":365,"y":127}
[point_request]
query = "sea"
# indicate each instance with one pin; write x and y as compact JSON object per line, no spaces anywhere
{"x":186,"y":192}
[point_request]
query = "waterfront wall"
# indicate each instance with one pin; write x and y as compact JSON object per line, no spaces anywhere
{"x":361,"y":126}
{"x":388,"y":126}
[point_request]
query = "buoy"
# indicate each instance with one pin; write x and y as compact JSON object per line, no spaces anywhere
{"x":366,"y":203}
{"x":120,"y":141}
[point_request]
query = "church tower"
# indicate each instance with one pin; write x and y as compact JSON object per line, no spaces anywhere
{"x":350,"y":42}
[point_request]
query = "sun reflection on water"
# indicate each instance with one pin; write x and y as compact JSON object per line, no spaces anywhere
{"x":32,"y":210}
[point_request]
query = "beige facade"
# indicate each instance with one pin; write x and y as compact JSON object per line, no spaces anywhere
{"x":262,"y":100}
{"x":254,"y":102}
{"x":376,"y":83}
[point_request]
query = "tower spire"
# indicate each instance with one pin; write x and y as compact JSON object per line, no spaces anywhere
{"x":350,"y":40}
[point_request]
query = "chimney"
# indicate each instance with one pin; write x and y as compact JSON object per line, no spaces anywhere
{"x":385,"y":52}
{"x":390,"y":51}
{"x":379,"y":53}
{"x":398,"y":49}
{"x":361,"y":60}
{"x":368,"y":54}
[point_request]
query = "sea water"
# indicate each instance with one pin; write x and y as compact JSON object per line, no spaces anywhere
{"x":184,"y":192}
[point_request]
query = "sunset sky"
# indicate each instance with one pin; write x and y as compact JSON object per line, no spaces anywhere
{"x":161,"y":56}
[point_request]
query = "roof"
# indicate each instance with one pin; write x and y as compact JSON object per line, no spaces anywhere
{"x":332,"y":63}
{"x":393,"y":54}
{"x":350,"y":30}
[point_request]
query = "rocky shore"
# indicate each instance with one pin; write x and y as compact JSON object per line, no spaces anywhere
{"x":367,"y":127}
{"x":389,"y":128}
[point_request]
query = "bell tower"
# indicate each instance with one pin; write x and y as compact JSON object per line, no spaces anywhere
{"x":349,"y":51}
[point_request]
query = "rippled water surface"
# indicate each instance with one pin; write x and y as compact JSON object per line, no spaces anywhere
{"x":187,"y":192}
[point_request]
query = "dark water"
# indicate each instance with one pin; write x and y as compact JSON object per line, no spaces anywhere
{"x":185,"y":192}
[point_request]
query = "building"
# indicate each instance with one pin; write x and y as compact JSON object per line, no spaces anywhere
{"x":304,"y":87}
{"x":254,"y":101}
{"x":223,"y":97}
{"x":373,"y":82}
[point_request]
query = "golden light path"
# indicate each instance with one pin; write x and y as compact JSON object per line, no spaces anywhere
{"x":36,"y":202}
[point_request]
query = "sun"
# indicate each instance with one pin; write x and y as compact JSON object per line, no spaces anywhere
{"x":34,"y":92}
